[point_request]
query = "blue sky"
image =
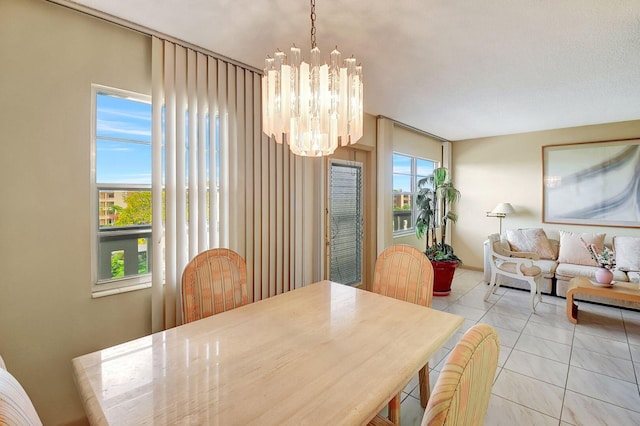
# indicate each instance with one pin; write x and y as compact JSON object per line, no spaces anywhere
{"x":123,"y":139}
{"x":402,"y":171}
{"x":123,"y":161}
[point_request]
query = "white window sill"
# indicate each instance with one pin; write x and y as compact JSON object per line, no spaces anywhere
{"x":404,"y":233}
{"x":110,"y":292}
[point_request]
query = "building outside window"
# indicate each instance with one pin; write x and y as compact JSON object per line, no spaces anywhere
{"x":122,"y":188}
{"x":407,"y":171}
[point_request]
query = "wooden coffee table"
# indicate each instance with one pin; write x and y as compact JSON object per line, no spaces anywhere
{"x":582,"y":285}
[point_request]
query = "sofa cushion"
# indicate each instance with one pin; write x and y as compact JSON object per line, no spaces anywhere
{"x":532,"y":240}
{"x":572,"y":250}
{"x":627,"y":253}
{"x":548,"y":267}
{"x":566,"y":271}
{"x":555,"y":247}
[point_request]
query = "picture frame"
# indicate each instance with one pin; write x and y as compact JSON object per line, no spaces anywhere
{"x":592,"y":183}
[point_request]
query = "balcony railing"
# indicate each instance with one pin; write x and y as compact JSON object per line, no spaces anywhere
{"x":124,"y":252}
{"x":402,"y":220}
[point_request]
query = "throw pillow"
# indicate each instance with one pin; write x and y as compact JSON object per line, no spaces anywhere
{"x":555,"y":246}
{"x":627,"y":253}
{"x":573,"y":251}
{"x":532,"y":240}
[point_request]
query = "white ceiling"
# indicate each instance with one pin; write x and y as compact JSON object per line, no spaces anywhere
{"x":458,"y":69}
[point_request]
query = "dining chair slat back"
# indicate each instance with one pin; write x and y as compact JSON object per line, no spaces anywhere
{"x":463,"y":389}
{"x":404,"y":272}
{"x":214,"y":281}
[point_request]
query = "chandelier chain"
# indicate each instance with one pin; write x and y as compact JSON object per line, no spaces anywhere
{"x":313,"y":24}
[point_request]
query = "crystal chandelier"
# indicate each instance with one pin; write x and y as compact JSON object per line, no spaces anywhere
{"x":314,"y":108}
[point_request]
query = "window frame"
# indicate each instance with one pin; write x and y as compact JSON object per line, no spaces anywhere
{"x":101,"y":288}
{"x":414,"y":189}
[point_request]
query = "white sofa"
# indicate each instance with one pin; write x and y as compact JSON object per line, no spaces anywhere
{"x":560,"y":264}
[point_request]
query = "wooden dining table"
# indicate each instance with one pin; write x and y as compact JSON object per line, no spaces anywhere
{"x":324,"y":354}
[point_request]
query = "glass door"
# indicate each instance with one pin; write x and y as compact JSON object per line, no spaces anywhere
{"x":345,"y":221}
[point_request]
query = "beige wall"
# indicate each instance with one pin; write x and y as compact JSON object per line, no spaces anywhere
{"x":368,"y":140}
{"x":50,"y":56}
{"x":491,"y":170}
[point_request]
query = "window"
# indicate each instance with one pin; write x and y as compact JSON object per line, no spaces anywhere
{"x":407,"y":171}
{"x":122,"y":188}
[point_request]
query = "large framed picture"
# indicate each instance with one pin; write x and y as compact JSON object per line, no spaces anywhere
{"x":595,"y":183}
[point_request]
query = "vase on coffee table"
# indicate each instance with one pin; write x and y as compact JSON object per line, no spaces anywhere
{"x":604,"y":276}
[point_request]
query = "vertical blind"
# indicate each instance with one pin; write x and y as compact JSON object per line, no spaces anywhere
{"x":218,"y":181}
{"x":345,"y":219}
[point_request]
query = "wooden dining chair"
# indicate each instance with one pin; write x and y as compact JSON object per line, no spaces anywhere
{"x":404,"y":272}
{"x":463,"y":389}
{"x":15,"y":406}
{"x":214,"y":281}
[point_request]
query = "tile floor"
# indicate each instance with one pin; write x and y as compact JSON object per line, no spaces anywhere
{"x":550,"y":371}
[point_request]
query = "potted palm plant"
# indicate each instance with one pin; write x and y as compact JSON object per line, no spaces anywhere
{"x":436,"y":197}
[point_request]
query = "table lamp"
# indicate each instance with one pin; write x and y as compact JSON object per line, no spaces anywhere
{"x":500,"y":211}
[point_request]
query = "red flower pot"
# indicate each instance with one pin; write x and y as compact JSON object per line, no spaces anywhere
{"x":442,"y":277}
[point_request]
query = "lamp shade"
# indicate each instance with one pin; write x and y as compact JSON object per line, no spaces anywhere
{"x":503,"y":208}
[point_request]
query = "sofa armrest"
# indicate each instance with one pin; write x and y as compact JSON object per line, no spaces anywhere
{"x":524,"y":255}
{"x":486,"y":260}
{"x":524,"y":260}
{"x":516,"y":266}
{"x":512,"y":255}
